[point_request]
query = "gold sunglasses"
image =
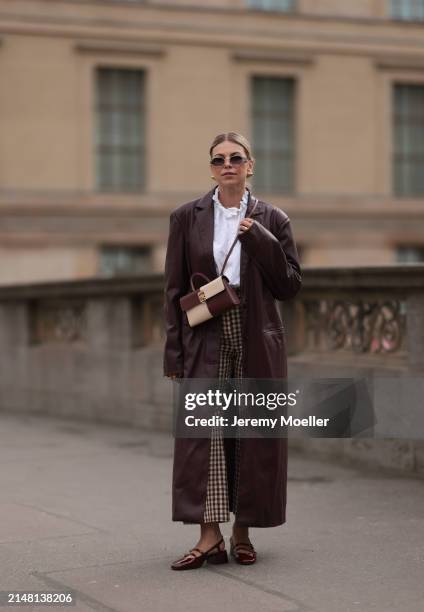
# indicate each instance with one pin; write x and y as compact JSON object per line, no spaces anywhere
{"x":235,"y":160}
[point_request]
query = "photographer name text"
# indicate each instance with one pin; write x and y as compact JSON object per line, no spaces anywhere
{"x":283,"y":421}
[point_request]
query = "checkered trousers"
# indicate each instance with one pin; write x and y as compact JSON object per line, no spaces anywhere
{"x":217,"y":508}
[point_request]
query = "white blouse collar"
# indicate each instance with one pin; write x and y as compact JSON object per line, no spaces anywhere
{"x":243,"y":201}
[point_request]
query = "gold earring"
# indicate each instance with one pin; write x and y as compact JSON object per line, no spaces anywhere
{"x":212,"y":177}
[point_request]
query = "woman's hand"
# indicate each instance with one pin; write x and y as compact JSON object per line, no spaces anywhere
{"x":245,"y":225}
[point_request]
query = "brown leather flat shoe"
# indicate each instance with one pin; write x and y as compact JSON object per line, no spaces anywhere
{"x":240,"y":554}
{"x":191,"y":561}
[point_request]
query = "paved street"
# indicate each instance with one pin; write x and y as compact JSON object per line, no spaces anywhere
{"x":86,"y":507}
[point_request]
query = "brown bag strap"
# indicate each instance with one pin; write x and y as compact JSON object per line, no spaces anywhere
{"x":197,"y":274}
{"x":235,"y":240}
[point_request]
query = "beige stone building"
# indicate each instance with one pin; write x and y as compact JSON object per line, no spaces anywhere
{"x":107,"y":109}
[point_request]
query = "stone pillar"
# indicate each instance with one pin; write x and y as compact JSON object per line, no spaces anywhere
{"x":109,"y":323}
{"x":14,"y":341}
{"x":415,"y":330}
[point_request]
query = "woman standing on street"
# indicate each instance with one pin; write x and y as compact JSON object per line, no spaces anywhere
{"x":213,"y":476}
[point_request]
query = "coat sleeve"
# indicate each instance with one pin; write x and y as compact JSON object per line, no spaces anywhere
{"x":275,"y":255}
{"x":176,"y":283}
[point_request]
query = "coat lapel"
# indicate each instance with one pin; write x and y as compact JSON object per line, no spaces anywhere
{"x":244,"y":258}
{"x":250,"y":204}
{"x":205,"y":230}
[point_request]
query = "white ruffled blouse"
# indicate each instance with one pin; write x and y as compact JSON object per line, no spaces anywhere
{"x":226,"y":224}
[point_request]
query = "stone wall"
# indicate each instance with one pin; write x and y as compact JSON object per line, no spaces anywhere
{"x":93,"y":349}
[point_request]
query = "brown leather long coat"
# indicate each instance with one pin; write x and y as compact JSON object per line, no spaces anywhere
{"x":269,"y":271}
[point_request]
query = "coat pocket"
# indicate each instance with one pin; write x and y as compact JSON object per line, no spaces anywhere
{"x":274,"y":330}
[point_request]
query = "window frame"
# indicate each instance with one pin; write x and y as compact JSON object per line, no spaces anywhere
{"x":292,"y":189}
{"x":396,"y":191}
{"x":255,"y":5}
{"x":120,"y":188}
{"x":145,"y":250}
{"x":407,"y":249}
{"x":396,"y":15}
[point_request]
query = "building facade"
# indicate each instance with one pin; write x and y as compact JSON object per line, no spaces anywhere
{"x":108,"y":108}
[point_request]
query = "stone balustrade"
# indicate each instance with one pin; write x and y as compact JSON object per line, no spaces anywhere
{"x":92,"y":349}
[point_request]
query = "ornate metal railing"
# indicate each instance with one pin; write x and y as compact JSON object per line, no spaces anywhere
{"x":365,"y":311}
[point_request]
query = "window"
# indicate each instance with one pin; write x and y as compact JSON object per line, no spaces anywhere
{"x":273,"y":133}
{"x":120,"y":130}
{"x":124,"y":260}
{"x":273,"y":5}
{"x":410,"y":254}
{"x":408,"y":135}
{"x":412,"y":10}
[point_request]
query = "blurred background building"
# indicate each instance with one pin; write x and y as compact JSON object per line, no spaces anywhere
{"x":108,"y":107}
